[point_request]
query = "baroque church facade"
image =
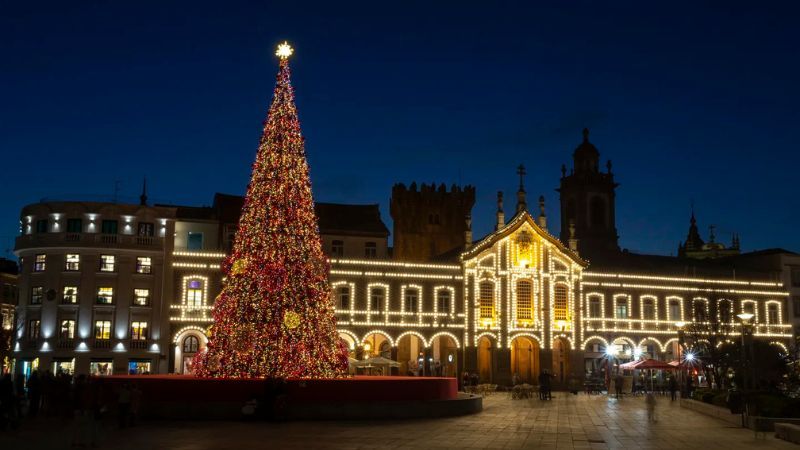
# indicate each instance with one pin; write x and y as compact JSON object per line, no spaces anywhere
{"x":520,"y":300}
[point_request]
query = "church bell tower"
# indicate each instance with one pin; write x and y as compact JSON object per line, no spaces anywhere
{"x":587,"y":203}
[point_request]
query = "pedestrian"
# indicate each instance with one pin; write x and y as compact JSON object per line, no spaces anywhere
{"x":514,"y":379}
{"x":124,"y":405}
{"x":650,"y":400}
{"x":136,"y":401}
{"x":7,"y":410}
{"x":34,"y":393}
{"x":618,"y":382}
{"x":689,"y":387}
{"x":465,"y":380}
{"x":673,"y":387}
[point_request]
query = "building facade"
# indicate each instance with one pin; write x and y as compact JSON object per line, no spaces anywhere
{"x":517,"y":301}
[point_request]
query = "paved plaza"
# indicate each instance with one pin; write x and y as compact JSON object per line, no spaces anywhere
{"x":567,"y":422}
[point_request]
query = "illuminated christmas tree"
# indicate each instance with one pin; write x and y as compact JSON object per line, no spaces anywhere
{"x":274,"y":316}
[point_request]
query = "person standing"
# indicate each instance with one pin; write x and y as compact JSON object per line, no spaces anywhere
{"x":124,"y":405}
{"x":618,"y":382}
{"x":650,"y":400}
{"x":673,"y":387}
{"x":34,"y":393}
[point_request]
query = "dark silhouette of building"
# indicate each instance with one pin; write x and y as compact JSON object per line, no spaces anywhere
{"x":587,"y":203}
{"x":430,"y":221}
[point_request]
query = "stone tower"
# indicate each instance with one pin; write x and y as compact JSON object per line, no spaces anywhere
{"x":587,"y":202}
{"x":430,"y":221}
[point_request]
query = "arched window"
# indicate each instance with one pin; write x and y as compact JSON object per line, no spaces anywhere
{"x":443,"y":300}
{"x":675,"y":312}
{"x":486,"y":299}
{"x":597,"y":212}
{"x":343,"y":297}
{"x":648,"y":308}
{"x":724,"y":307}
{"x":595,"y":307}
{"x":195,"y":293}
{"x":560,"y":302}
{"x":191,"y":344}
{"x":773,"y":315}
{"x":412,"y":300}
{"x":621,"y":308}
{"x":699,"y":310}
{"x":524,"y":300}
{"x":376,"y":299}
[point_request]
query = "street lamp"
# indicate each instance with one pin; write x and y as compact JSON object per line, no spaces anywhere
{"x":746,"y":344}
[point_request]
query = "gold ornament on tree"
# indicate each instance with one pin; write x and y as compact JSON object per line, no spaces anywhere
{"x":291,"y":320}
{"x":238,"y":267}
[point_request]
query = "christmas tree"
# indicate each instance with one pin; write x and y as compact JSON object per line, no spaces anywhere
{"x":274,"y":317}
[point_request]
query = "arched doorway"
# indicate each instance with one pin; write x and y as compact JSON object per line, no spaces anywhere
{"x":445,"y":356}
{"x":560,"y":359}
{"x":525,"y":358}
{"x":411,"y":355}
{"x":485,"y":347}
{"x":349,"y":343}
{"x":188,"y":343}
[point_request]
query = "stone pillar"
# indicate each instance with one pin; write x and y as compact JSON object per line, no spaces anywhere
{"x":395,"y":370}
{"x":545,"y":362}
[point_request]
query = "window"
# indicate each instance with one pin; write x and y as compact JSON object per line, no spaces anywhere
{"x":749,"y":307}
{"x":675,"y":310}
{"x":699,"y":311}
{"x":343,"y":297}
{"x":370,"y":250}
{"x":648,"y":309}
{"x":724,"y":311}
{"x":34,"y":328}
{"x":595,"y":307}
{"x":194,"y":241}
{"x":772,"y":314}
{"x":145,"y":229}
{"x":101,"y":368}
{"x":138,"y":367}
{"x":443,"y":300}
{"x":486,"y":300}
{"x":560,"y":302}
{"x":41,"y":226}
{"x":337,"y":248}
{"x":37,"y":294}
{"x":376,"y":299}
{"x":191,"y":344}
{"x":194,"y":293}
{"x":144,"y":264}
{"x":39,"y":263}
{"x":102,"y":329}
{"x":621,"y":310}
{"x":107,"y":263}
{"x":524,"y":300}
{"x":141,"y":297}
{"x":70,"y":295}
{"x":108,"y":227}
{"x":412,"y":300}
{"x":72,"y":262}
{"x":105,"y":295}
{"x":139,"y":331}
{"x":67,"y":329}
{"x":74,"y":226}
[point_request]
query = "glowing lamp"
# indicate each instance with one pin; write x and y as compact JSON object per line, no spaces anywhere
{"x":680,"y":324}
{"x":745,"y":317}
{"x":611,"y":350}
{"x":367,"y":347}
{"x":524,"y":262}
{"x":689,"y":356}
{"x":637,"y":353}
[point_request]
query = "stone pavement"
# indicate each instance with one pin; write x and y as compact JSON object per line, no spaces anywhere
{"x":566,"y":422}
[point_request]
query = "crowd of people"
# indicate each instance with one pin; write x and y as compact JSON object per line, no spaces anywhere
{"x":79,"y":401}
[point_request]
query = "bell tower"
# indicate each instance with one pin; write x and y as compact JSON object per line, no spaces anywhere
{"x":588,"y":202}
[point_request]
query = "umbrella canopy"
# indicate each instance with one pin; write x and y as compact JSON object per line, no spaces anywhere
{"x":645,"y":364}
{"x":376,"y":361}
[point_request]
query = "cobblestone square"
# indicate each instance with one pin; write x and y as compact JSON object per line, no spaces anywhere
{"x":567,"y":422}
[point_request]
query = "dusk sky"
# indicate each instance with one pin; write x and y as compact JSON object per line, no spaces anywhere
{"x":691,"y":102}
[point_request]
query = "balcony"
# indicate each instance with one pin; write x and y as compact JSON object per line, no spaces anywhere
{"x":138,"y":344}
{"x":101,"y":343}
{"x":88,"y":240}
{"x":66,"y":343}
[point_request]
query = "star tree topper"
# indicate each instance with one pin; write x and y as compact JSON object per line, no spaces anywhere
{"x":284,"y":50}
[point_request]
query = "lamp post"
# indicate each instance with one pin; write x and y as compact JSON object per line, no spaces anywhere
{"x":746,"y":334}
{"x":681,"y":347}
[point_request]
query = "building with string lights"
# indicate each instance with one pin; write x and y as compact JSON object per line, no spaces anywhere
{"x":520,"y":300}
